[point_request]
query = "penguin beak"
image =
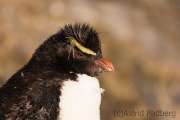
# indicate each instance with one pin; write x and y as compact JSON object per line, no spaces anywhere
{"x":105,"y":65}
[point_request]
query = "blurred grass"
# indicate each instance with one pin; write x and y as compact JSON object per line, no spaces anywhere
{"x":140,"y":37}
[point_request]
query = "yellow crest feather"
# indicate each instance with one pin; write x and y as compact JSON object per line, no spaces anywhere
{"x":82,"y":48}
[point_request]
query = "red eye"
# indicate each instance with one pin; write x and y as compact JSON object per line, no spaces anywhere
{"x":78,"y":55}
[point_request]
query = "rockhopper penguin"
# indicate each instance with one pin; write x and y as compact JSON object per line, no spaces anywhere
{"x":59,"y":82}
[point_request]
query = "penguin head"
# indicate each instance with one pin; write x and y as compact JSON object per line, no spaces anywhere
{"x":76,"y":48}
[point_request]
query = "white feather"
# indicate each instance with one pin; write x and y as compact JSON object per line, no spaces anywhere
{"x":80,"y":100}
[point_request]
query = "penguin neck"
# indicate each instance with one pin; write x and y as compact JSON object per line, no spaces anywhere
{"x":47,"y":63}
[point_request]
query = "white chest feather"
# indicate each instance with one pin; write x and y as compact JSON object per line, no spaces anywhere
{"x":80,"y":100}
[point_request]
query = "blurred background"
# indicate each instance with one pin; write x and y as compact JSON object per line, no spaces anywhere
{"x":140,"y":37}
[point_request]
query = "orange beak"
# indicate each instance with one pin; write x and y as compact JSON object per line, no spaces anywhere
{"x":105,"y":65}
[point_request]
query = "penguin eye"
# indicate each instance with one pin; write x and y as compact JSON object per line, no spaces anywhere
{"x":78,"y":54}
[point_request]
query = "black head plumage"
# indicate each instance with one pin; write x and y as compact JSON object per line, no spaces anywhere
{"x":60,"y":53}
{"x":83,"y":33}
